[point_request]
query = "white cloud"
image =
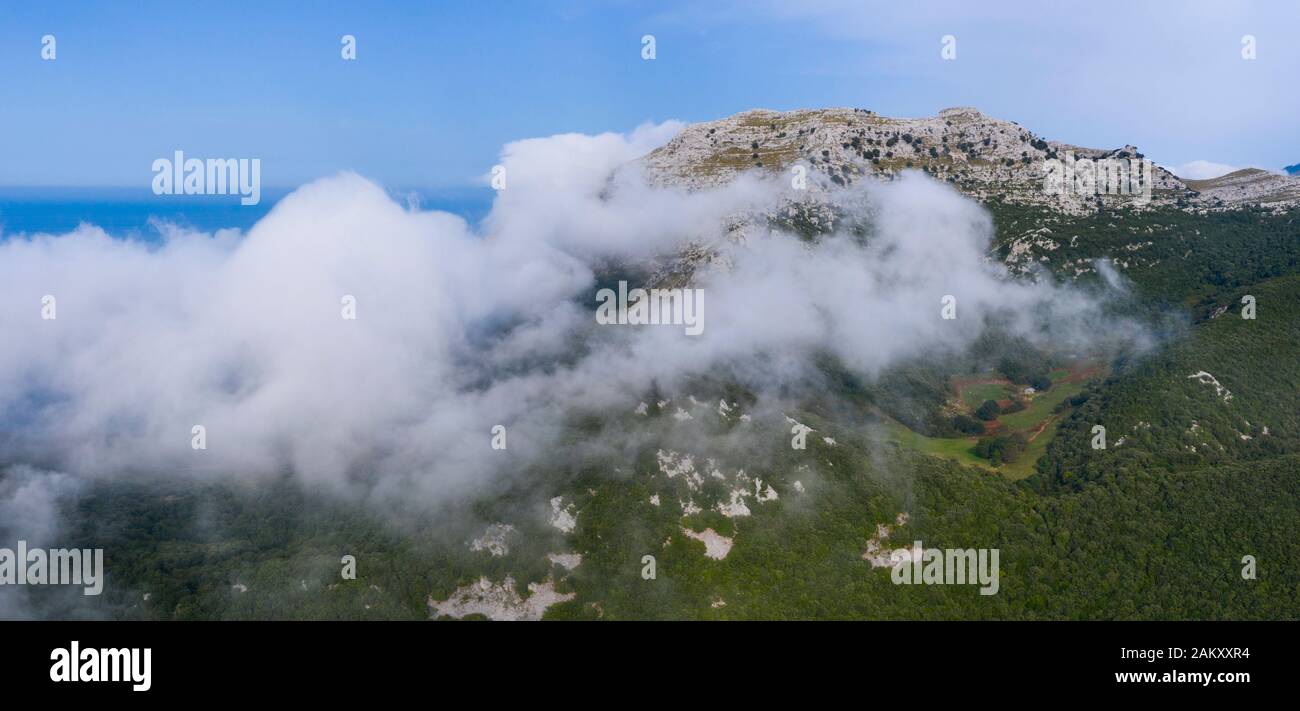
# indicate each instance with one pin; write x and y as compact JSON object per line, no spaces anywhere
{"x":1202,"y":169}
{"x":456,"y":331}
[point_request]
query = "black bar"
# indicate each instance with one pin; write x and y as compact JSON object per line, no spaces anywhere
{"x":208,"y":660}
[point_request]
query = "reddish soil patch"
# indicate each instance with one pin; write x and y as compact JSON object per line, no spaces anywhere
{"x":1087,"y":372}
{"x":1042,"y":426}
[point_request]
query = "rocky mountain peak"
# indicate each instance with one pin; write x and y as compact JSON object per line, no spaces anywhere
{"x":987,"y":158}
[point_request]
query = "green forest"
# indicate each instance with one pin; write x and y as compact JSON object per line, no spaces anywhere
{"x":1155,"y":525}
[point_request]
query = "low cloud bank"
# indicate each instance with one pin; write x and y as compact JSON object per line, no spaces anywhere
{"x":458,"y":330}
{"x":1203,"y":170}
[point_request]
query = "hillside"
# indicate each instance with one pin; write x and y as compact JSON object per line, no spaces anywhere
{"x":1223,"y":394}
{"x":703,"y":509}
{"x":1250,"y":186}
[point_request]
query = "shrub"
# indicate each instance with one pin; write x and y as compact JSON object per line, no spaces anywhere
{"x":1002,"y":449}
{"x":967,"y":425}
{"x":988,"y":410}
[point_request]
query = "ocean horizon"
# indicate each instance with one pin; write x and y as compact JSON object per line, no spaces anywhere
{"x":137,"y":213}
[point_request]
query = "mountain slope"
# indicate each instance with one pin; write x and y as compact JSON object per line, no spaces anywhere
{"x":740,"y":525}
{"x":1247,"y":187}
{"x":1224,"y":394}
{"x":987,"y":158}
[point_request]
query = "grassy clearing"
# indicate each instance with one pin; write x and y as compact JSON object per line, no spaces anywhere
{"x":1040,"y":408}
{"x":959,"y":449}
{"x":1066,"y":383}
{"x":975,"y":394}
{"x":1028,"y":461}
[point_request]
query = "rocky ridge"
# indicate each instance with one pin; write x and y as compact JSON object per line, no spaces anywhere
{"x":984,"y":157}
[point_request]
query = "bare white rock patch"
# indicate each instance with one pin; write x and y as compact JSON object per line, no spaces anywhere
{"x":736,"y":507}
{"x":876,"y":554}
{"x":568,"y":561}
{"x":716,"y":545}
{"x":493,"y":539}
{"x":565,"y":518}
{"x":673,"y":465}
{"x":1207,"y":379}
{"x":500,"y":601}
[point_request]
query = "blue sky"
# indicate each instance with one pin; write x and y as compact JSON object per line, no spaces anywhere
{"x":438,"y":87}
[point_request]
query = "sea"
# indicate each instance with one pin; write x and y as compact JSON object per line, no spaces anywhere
{"x":134,"y":213}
